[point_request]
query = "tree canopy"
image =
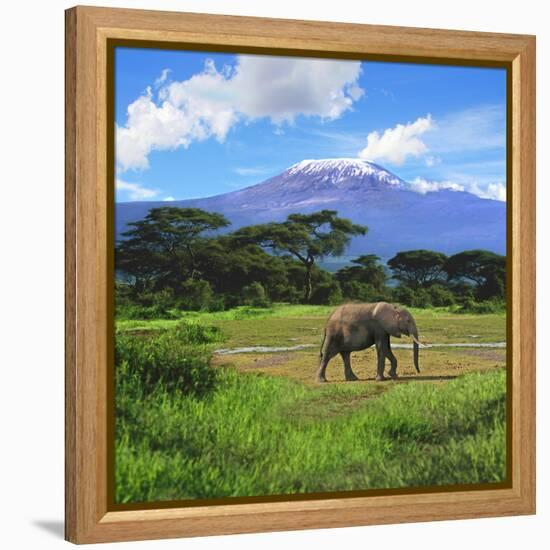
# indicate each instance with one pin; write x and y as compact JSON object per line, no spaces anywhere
{"x":417,"y":268}
{"x":163,"y":243}
{"x":485,"y":269}
{"x":307,"y":237}
{"x":367,"y":269}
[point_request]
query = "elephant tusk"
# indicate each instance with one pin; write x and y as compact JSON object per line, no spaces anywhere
{"x":418,"y":342}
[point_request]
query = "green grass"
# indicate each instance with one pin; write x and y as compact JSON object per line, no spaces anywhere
{"x":261,"y":435}
{"x":174,"y":360}
{"x":275,"y":325}
{"x":238,"y":313}
{"x":278,"y":310}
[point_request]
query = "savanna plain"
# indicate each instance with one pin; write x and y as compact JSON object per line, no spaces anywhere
{"x":225,"y":404}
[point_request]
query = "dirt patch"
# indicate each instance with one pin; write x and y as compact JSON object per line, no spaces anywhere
{"x":263,"y":362}
{"x":438,"y":365}
{"x":261,"y":349}
{"x":271,"y":361}
{"x":488,"y":354}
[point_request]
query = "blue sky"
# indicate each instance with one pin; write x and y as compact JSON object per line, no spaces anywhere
{"x":194,"y":124}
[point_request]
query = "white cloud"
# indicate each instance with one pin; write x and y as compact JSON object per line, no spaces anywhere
{"x":162,"y":78}
{"x":209,"y":103}
{"x":152,"y":127}
{"x":495,"y":191}
{"x":281,"y":88}
{"x":398,"y":143}
{"x":243,"y":171}
{"x":423,"y":186}
{"x":169,"y":198}
{"x":133,"y":191}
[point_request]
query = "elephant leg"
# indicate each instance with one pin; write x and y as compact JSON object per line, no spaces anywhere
{"x":381,"y":357}
{"x":349,"y":374}
{"x":392,"y":359}
{"x":325,"y":358}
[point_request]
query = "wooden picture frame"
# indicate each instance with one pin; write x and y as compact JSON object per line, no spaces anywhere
{"x":89,"y":515}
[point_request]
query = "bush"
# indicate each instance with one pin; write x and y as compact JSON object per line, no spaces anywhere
{"x":217,"y":303}
{"x":191,"y":332}
{"x":413,"y":298}
{"x":163,"y":299}
{"x":487,"y":306}
{"x":462,"y":291}
{"x":175,"y":360}
{"x":133,"y":311}
{"x":147,"y":305}
{"x":255,"y":295}
{"x":123,"y":292}
{"x":422,"y":298}
{"x":403,"y":295}
{"x":327,"y":294}
{"x":441,"y":296}
{"x":286,"y":293}
{"x":195,"y":294}
{"x":363,"y":292}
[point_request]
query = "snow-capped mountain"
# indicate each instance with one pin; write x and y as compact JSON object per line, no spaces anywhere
{"x":398,"y":218}
{"x":317,"y":182}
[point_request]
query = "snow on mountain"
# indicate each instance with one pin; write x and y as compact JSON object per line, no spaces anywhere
{"x":337,"y":170}
{"x":397,"y":217}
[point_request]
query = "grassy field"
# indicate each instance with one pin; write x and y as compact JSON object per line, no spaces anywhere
{"x":257,"y":424}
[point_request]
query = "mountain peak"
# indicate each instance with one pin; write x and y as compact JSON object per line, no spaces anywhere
{"x":337,"y":170}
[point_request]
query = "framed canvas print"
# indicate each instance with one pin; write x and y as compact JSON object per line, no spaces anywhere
{"x":300,"y":274}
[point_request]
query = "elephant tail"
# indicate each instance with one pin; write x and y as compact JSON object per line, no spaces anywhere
{"x":323,"y":343}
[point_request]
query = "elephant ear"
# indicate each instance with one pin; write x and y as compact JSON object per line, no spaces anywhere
{"x":388,"y":317}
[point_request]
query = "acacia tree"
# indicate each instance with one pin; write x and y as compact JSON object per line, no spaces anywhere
{"x":417,"y":268}
{"x":484,"y":268}
{"x":366,"y":269}
{"x":229,"y":268}
{"x":307,"y":237}
{"x":163,"y":244}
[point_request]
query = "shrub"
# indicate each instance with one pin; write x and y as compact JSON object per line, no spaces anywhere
{"x":462,"y":291}
{"x":248,"y":312}
{"x":217,"y":303}
{"x":139,"y":312}
{"x":163,"y":299}
{"x":147,"y":305}
{"x":190,"y":332}
{"x":327,"y":294}
{"x":363,"y":292}
{"x":441,"y":296}
{"x":195,"y":294}
{"x":255,"y":295}
{"x":286,"y":293}
{"x":422,"y":298}
{"x":174,"y":360}
{"x":123,"y":292}
{"x":487,"y":306}
{"x":403,"y":295}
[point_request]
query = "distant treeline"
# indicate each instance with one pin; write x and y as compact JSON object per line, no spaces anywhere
{"x":175,"y":259}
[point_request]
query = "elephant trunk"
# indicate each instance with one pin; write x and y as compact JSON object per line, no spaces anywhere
{"x":413,"y":331}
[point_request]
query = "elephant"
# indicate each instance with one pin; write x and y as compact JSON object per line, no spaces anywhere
{"x":355,"y":326}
